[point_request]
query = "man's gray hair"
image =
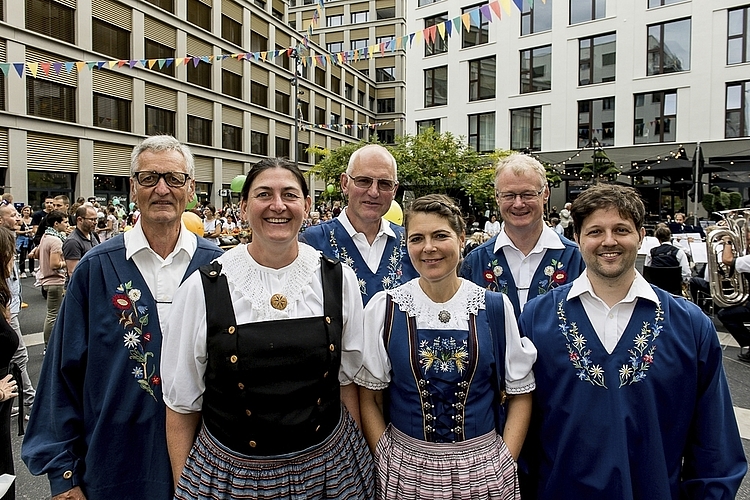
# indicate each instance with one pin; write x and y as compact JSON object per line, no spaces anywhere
{"x":375,"y":149}
{"x":520,"y":164}
{"x":159,"y":143}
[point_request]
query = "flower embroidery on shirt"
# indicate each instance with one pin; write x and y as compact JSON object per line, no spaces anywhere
{"x":443,"y":355}
{"x":578,"y":354}
{"x":134,"y":319}
{"x":555,"y":276}
{"x":492,"y":276}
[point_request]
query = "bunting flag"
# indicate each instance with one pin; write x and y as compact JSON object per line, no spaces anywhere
{"x":346,"y":126}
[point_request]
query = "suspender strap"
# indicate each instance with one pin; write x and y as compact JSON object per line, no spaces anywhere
{"x":219,"y":313}
{"x":333,"y":283}
{"x":496,"y":315}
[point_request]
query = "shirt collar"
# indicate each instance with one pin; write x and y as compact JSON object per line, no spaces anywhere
{"x":640,"y":288}
{"x":548,"y":239}
{"x":135,"y":241}
{"x":385,"y":226}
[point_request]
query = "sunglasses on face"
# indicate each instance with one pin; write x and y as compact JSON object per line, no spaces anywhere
{"x":151,"y":179}
{"x":364,"y":182}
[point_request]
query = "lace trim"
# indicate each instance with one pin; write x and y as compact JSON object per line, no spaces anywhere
{"x":245,"y":274}
{"x":412,"y":300}
{"x":521,"y":390}
{"x":373,"y":386}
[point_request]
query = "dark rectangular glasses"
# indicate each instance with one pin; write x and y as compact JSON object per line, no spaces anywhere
{"x":364,"y":182}
{"x":151,"y":179}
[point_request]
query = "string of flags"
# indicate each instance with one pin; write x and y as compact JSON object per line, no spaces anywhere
{"x":346,"y":126}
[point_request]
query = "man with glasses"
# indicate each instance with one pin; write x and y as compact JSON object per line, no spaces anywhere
{"x":82,"y":239}
{"x":98,"y":425}
{"x":360,"y":237}
{"x":527,"y":258}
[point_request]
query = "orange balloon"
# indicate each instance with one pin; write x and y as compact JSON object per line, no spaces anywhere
{"x":193,"y":223}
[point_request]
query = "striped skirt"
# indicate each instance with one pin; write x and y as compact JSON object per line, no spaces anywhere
{"x":340,"y":467}
{"x":479,"y":468}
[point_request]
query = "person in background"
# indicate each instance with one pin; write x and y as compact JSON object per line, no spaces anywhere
{"x":566,"y":221}
{"x":37,"y":220}
{"x":62,"y":203}
{"x":555,"y":224}
{"x":82,"y":239}
{"x":360,"y":236}
{"x":631,"y":399}
{"x":667,"y":254}
{"x":97,"y":428}
{"x":211,"y":225}
{"x":25,"y":241}
{"x":52,"y":267}
{"x":260,"y":358}
{"x":492,"y":226}
{"x":446,"y":351}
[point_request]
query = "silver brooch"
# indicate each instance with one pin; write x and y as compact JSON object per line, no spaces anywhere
{"x":444,"y":316}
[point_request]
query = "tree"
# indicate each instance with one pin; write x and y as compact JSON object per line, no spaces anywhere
{"x":601,"y":168}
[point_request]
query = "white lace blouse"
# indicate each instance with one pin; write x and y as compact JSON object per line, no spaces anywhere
{"x":520,"y":353}
{"x":184,"y":356}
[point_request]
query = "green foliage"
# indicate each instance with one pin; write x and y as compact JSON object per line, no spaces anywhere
{"x":708,"y":202}
{"x":718,"y":200}
{"x":600,"y":169}
{"x":735,"y":200}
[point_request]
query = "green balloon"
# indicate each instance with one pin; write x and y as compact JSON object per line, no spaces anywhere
{"x":237,"y":183}
{"x":192,"y":203}
{"x":330,"y":188}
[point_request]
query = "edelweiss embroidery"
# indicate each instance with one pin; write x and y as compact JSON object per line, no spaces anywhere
{"x":577,"y":353}
{"x":134,"y":319}
{"x":556,"y":276}
{"x":444,"y":355}
{"x":492,"y":277}
{"x":393,"y":278}
{"x":642,"y":354}
{"x":344,"y":257}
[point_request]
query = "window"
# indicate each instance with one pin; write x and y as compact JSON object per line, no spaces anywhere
{"x":385,"y":74}
{"x":738,"y":110}
{"x":334,"y":47}
{"x":283,"y":59}
{"x":282,"y":147}
{"x":302,"y":155}
{"x":655,"y":117}
{"x":586,"y":10}
{"x":159,"y":121}
{"x":167,"y":5}
{"x":386,"y":136}
{"x":335,"y":119}
{"x":349,"y":126}
{"x":277,"y":14}
{"x":2,"y":92}
{"x":258,"y":94}
{"x":668,"y":47}
{"x":423,"y":125}
{"x":436,"y":86}
{"x":359,"y":44}
{"x":482,"y":132}
{"x":258,"y":143}
{"x":526,"y":128}
{"x":536,"y":17}
{"x":336,"y":20}
{"x":536,"y":69}
{"x":387,"y":105}
{"x":199,"y":13}
{"x":596,"y":120}
{"x":348,"y":91}
{"x":320,"y":77}
{"x":482,"y":79}
{"x":258,"y":43}
{"x":659,"y":3}
{"x":361,"y":98}
{"x":426,"y":2}
{"x":320,"y":115}
{"x":477,"y":35}
{"x":386,"y":13}
{"x":360,"y":17}
{"x":596,"y":59}
{"x":437,"y":45}
{"x":304,"y":110}
{"x":231,"y":30}
{"x":51,"y":18}
{"x":111,"y":112}
{"x":51,"y":100}
{"x":199,"y":130}
{"x":738,"y":35}
{"x":155,"y":50}
{"x":384,"y":39}
{"x":282,"y":103}
{"x":231,"y":137}
{"x":110,"y":40}
{"x":199,"y":74}
{"x":231,"y":84}
{"x":335,"y":84}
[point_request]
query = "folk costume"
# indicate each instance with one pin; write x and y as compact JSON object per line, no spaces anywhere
{"x":99,"y":421}
{"x":445,"y":367}
{"x":335,"y":239}
{"x":646,"y":415}
{"x":554,"y":261}
{"x":262,"y":353}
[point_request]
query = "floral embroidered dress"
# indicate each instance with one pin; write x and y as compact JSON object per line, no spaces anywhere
{"x":651,"y":419}
{"x":333,"y":240}
{"x":99,"y":418}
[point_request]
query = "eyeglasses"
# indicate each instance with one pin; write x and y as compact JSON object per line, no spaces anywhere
{"x":364,"y":182}
{"x":151,"y":179}
{"x":92,"y":219}
{"x":525,"y":197}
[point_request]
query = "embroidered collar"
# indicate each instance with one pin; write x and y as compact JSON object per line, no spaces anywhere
{"x":412,"y":300}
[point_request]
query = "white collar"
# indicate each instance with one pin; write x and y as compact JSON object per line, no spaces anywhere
{"x":411,"y":299}
{"x":135,"y":241}
{"x":640,"y":288}
{"x":548,"y":239}
{"x":385,"y":226}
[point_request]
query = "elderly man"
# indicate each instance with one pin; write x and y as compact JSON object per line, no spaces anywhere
{"x":82,"y":239}
{"x":631,"y":399}
{"x":98,"y":426}
{"x":527,"y":258}
{"x":360,"y":236}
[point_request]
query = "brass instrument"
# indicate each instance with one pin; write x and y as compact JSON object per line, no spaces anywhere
{"x":728,"y":288}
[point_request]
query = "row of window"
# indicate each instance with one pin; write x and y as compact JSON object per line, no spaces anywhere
{"x":360,"y":16}
{"x":654,"y":121}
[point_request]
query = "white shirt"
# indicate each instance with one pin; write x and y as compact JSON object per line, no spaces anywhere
{"x":162,"y":276}
{"x":523,"y":267}
{"x":492,"y":228}
{"x":371,"y":254}
{"x":610,"y":323}
{"x":184,"y":349}
{"x":681,"y":258}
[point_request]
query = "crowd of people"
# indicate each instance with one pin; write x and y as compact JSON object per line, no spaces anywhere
{"x":332,"y":353}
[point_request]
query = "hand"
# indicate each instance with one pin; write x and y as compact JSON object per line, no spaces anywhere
{"x":8,"y":388}
{"x":72,"y":494}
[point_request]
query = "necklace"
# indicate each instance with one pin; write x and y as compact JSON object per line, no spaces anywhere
{"x":278,"y":301}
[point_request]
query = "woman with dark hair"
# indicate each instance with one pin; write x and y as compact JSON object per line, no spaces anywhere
{"x":211,"y":224}
{"x":267,"y":377}
{"x":448,"y":352}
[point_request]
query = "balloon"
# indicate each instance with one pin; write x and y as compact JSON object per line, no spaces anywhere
{"x":132,"y":205}
{"x":115,"y":201}
{"x":192,"y":204}
{"x":330,"y":188}
{"x":237,"y":183}
{"x":193,"y":223}
{"x":395,"y":214}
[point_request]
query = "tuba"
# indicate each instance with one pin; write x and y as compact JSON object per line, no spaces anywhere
{"x":728,"y":288}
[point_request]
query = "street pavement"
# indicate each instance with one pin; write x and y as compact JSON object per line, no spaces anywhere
{"x":32,"y":321}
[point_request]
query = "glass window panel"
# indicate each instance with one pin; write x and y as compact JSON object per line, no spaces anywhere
{"x":670,"y":104}
{"x":734,"y":96}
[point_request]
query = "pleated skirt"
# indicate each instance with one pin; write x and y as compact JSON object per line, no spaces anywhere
{"x":479,"y":468}
{"x":341,"y":467}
